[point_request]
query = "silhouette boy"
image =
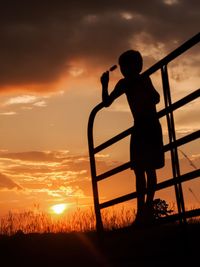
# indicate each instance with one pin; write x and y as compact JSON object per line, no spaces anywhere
{"x":146,"y":145}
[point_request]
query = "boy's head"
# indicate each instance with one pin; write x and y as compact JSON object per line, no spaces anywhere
{"x":130,"y":63}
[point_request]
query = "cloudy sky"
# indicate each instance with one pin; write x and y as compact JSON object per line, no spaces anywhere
{"x":52,"y":54}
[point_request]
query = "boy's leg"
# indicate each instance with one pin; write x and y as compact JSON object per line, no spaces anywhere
{"x":151,"y":186}
{"x":140,"y":189}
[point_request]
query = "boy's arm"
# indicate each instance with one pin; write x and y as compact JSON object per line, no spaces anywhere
{"x":104,"y":82}
{"x":117,"y":91}
{"x":154,"y":94}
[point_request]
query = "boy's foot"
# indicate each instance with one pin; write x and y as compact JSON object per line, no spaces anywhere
{"x":144,"y":218}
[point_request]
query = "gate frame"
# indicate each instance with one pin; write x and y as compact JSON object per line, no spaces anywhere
{"x":172,"y":146}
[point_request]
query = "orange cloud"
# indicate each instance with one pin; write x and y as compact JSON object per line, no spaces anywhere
{"x":7,"y":183}
{"x":53,"y":176}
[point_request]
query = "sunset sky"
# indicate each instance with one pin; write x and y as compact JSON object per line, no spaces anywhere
{"x":52,"y":54}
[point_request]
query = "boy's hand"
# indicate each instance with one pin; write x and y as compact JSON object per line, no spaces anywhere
{"x":105,"y":79}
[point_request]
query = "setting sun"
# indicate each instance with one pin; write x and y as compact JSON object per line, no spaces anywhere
{"x":59,"y":208}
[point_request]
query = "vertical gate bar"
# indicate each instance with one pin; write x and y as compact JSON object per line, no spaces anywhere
{"x":176,"y":158}
{"x":172,"y":138}
{"x":99,"y":224}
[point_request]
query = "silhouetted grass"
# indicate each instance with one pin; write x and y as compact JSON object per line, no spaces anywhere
{"x":40,"y":239}
{"x":79,"y":220}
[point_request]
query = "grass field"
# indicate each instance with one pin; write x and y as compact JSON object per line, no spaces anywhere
{"x":166,"y":245}
{"x":78,"y":220}
{"x":37,"y":245}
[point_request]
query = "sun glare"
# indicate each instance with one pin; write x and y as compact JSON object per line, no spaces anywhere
{"x":59,"y":208}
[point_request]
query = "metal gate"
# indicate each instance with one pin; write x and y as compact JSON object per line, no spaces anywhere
{"x":172,"y":146}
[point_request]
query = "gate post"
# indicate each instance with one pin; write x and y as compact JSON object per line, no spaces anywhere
{"x":174,"y":151}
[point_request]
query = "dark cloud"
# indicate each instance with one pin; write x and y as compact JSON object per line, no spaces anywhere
{"x":7,"y":183}
{"x":40,"y":39}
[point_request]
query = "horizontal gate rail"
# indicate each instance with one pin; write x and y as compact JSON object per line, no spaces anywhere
{"x":176,"y":217}
{"x":194,"y":95}
{"x":174,"y":54}
{"x":170,"y":182}
{"x":185,"y":100}
{"x":179,"y":142}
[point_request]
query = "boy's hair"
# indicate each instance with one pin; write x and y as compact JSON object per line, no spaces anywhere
{"x":132,"y":56}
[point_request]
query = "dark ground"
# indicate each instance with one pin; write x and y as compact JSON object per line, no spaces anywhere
{"x":167,"y":245}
